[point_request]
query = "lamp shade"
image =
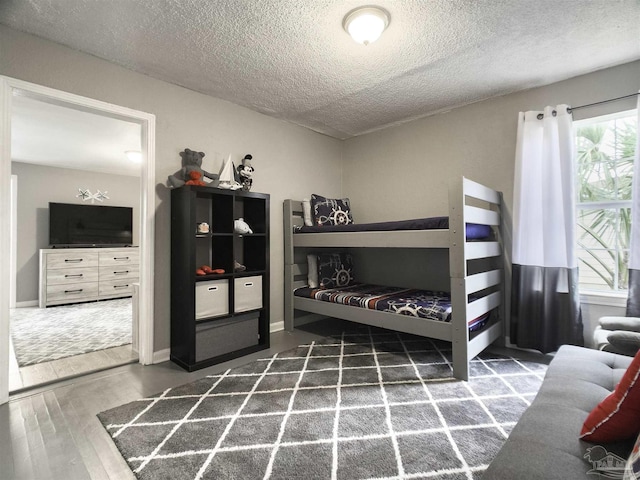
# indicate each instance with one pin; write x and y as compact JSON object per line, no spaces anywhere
{"x":366,"y":24}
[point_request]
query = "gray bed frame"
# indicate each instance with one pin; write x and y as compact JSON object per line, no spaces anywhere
{"x":469,"y":202}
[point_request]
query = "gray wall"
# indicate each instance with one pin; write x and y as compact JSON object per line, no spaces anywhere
{"x":404,"y":171}
{"x":37,"y":186}
{"x":290,"y":161}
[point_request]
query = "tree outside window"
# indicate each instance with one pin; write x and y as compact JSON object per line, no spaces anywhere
{"x":605,"y":148}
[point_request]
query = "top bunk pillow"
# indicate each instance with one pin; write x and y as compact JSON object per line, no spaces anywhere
{"x":306,"y":212}
{"x":330,"y":211}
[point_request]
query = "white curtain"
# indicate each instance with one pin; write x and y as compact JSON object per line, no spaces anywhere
{"x":633,"y":302}
{"x":545,"y":309}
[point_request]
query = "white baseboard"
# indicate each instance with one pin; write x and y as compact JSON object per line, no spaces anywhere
{"x":162,"y":356}
{"x":29,"y":303}
{"x":276,"y":327}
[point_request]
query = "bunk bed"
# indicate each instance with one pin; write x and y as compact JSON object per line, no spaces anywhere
{"x":475,"y":271}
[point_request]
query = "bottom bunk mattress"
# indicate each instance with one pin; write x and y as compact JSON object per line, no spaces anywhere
{"x":403,"y":301}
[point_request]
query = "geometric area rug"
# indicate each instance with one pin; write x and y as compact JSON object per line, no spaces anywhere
{"x":364,"y":404}
{"x":45,"y":334}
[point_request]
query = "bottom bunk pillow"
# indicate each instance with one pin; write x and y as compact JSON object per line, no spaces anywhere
{"x":335,"y":270}
{"x":402,"y":301}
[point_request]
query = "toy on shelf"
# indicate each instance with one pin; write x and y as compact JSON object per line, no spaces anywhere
{"x":191,"y":162}
{"x":202,"y":228}
{"x":207,"y":270}
{"x":227,"y":178}
{"x":245,"y":172}
{"x":195,"y":178}
{"x":238,"y":267}
{"x":241,"y":227}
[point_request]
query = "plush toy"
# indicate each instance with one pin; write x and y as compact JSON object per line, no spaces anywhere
{"x":207,"y":270}
{"x":191,"y":162}
{"x":195,"y":179}
{"x":245,"y":172}
{"x":241,"y":227}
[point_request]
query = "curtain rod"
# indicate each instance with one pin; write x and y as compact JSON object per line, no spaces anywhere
{"x":603,"y":101}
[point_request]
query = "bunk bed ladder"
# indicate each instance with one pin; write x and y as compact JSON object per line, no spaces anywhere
{"x":466,"y":346}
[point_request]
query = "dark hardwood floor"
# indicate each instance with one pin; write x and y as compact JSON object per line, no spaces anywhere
{"x":53,"y":433}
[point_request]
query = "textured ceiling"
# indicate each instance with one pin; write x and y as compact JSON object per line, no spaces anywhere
{"x":291,"y":59}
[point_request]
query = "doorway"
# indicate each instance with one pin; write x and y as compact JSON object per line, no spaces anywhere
{"x":13,"y":92}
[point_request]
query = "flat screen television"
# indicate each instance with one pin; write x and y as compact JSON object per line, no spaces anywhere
{"x":77,"y":225}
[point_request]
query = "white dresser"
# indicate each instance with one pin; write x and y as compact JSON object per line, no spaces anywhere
{"x":70,"y":275}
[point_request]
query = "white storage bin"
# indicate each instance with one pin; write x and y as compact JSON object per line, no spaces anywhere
{"x":247,"y":293}
{"x":212,"y":299}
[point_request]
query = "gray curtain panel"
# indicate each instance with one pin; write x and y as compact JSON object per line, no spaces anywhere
{"x":545,"y":305}
{"x":545,"y":308}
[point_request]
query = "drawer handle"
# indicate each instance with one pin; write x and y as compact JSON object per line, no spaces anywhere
{"x":120,"y":286}
{"x":120,"y":258}
{"x":121,"y":273}
{"x":211,"y":289}
{"x":73,"y":291}
{"x":74,"y":276}
{"x":248,"y":284}
{"x":73,"y":260}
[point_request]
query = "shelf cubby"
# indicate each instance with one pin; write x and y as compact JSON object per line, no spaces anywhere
{"x":198,"y":340}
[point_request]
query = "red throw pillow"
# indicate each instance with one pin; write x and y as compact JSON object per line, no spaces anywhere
{"x":617,"y":417}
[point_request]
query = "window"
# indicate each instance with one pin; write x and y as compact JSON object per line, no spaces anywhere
{"x":605,"y":149}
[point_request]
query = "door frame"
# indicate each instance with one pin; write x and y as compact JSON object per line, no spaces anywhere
{"x":8,"y":88}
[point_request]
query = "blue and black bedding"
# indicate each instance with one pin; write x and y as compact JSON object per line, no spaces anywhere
{"x":474,"y":231}
{"x":403,"y":301}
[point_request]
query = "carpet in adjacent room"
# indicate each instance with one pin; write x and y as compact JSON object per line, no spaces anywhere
{"x":366,"y":404}
{"x":45,"y":334}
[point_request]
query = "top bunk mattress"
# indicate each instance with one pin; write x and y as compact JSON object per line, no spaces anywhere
{"x":474,"y":231}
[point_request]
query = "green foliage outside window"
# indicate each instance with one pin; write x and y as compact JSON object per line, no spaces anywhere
{"x":605,"y":157}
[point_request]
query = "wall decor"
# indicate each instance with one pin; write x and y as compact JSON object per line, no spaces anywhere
{"x":87,"y":195}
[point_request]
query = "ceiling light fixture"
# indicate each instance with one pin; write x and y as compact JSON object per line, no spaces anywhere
{"x":134,"y":155}
{"x":366,"y":24}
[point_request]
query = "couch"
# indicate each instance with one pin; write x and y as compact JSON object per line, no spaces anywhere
{"x":618,"y":335}
{"x":544,"y":444}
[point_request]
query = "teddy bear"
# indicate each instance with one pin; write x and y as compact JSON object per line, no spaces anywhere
{"x":191,"y":162}
{"x":245,"y":172}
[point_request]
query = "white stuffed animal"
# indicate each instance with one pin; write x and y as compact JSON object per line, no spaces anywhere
{"x":241,"y":227}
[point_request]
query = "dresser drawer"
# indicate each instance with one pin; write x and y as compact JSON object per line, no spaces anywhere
{"x":65,"y":276}
{"x":74,"y":292}
{"x":119,"y":272}
{"x":116,"y":288}
{"x":119,"y":258}
{"x":247,"y":293}
{"x":212,"y":299}
{"x":72,"y":260}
